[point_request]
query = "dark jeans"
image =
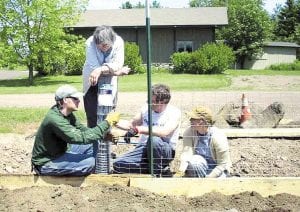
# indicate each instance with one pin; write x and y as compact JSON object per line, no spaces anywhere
{"x":90,"y":100}
{"x":137,"y":161}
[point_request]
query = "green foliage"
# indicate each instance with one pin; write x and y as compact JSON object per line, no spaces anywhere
{"x":181,"y":62}
{"x":248,"y":28}
{"x":295,"y":66}
{"x":68,"y":60}
{"x":207,"y":3}
{"x":215,"y":58}
{"x":7,"y":57}
{"x":133,"y":58}
{"x":210,"y":59}
{"x":128,"y":5}
{"x":287,"y":22}
{"x":34,"y":29}
{"x":75,"y":57}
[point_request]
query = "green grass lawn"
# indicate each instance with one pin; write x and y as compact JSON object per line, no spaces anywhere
{"x":132,"y":83}
{"x":22,"y":120}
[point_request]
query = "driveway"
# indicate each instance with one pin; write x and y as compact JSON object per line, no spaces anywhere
{"x":5,"y":74}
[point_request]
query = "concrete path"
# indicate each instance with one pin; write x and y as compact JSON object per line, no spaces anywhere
{"x":5,"y":74}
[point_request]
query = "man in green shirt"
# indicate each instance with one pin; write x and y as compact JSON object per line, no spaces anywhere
{"x":64,"y":146}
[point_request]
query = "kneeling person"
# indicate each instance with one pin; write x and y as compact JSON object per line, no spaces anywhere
{"x":205,"y":147}
{"x":165,"y":131}
{"x":64,"y":146}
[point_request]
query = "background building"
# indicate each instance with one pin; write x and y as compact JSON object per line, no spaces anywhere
{"x":274,"y":53}
{"x":172,"y":29}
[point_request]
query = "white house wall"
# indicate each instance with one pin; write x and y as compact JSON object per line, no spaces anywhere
{"x":272,"y":55}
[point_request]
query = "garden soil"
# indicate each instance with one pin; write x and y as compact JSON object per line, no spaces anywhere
{"x":250,"y":157}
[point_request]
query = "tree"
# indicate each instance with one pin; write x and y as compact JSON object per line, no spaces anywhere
{"x":287,"y":21}
{"x":248,"y":28}
{"x":34,"y":29}
{"x":208,"y":3}
{"x":128,"y":5}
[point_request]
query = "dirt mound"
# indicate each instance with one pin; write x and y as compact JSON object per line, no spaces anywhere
{"x":118,"y":198}
{"x":250,"y":157}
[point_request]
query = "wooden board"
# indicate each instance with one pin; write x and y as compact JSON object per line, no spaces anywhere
{"x":192,"y":187}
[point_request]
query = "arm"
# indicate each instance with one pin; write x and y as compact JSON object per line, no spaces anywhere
{"x":126,"y":125}
{"x":160,"y":131}
{"x":222,"y":155}
{"x":187,"y":149}
{"x":71,"y":134}
{"x":114,"y":64}
{"x":78,"y":124}
{"x":115,"y":61}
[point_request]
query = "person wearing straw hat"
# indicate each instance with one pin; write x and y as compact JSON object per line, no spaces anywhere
{"x":64,"y":146}
{"x":205,"y":147}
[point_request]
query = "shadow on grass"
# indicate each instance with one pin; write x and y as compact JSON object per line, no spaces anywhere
{"x":38,"y":81}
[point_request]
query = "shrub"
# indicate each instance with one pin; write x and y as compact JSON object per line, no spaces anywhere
{"x":217,"y":58}
{"x":181,"y":62}
{"x":133,"y":58}
{"x":295,"y":66}
{"x":210,"y":59}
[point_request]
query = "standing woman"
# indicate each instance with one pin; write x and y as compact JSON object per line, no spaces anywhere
{"x":104,"y":62}
{"x":205,"y":147}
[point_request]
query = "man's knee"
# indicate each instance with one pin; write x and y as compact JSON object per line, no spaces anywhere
{"x":156,"y":141}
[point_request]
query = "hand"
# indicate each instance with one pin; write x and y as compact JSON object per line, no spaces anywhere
{"x":112,"y":136}
{"x":94,"y":76}
{"x":130,"y":133}
{"x":112,"y":118}
{"x":123,"y":71}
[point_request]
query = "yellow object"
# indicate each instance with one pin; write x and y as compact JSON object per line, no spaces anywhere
{"x":179,"y":174}
{"x":112,"y":118}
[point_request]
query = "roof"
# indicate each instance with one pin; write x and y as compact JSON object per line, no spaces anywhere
{"x":283,"y":44}
{"x":201,"y":16}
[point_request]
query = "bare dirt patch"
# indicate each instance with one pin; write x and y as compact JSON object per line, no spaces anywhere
{"x":117,"y":198}
{"x":266,"y":83}
{"x":250,"y":157}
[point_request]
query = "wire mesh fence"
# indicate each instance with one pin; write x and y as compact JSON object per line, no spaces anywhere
{"x":251,"y":157}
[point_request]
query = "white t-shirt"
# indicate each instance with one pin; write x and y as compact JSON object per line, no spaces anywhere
{"x":170,"y":115}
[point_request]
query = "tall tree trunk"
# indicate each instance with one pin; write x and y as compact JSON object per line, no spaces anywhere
{"x":30,"y":77}
{"x":242,"y":61}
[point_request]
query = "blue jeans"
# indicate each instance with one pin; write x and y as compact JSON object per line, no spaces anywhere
{"x":137,"y":161}
{"x":79,"y":160}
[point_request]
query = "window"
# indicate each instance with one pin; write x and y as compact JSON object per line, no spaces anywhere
{"x":184,"y":46}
